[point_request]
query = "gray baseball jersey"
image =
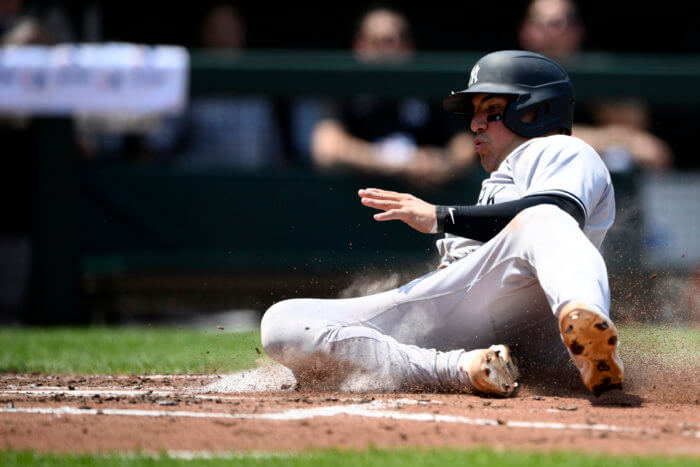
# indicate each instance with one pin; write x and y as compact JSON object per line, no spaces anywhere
{"x":560,"y":165}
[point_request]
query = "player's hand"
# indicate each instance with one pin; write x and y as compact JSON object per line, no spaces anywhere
{"x":400,"y":206}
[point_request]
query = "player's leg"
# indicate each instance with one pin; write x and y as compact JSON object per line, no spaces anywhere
{"x":573,"y":275}
{"x":541,"y":255}
{"x":335,"y":343}
{"x":408,"y":336}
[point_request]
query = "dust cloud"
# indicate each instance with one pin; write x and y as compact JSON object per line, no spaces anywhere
{"x":662,"y":363}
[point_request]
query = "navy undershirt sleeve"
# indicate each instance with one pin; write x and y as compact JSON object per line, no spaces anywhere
{"x":484,"y":222}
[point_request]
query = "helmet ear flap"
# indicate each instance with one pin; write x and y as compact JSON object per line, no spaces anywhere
{"x":547,"y":117}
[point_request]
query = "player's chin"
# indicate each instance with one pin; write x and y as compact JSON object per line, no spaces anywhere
{"x":486,"y":161}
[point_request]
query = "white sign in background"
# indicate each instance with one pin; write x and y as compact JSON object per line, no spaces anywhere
{"x":671,"y":203}
{"x":103,"y":79}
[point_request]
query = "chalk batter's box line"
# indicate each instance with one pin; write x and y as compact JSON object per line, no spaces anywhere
{"x":114,"y":392}
{"x":361,"y":410}
{"x":163,"y":391}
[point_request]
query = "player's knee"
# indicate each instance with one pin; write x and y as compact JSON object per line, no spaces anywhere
{"x":272,"y":328}
{"x":287,"y":332}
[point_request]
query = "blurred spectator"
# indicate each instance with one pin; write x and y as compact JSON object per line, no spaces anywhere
{"x":223,"y":131}
{"x":552,"y":28}
{"x":411,"y":137}
{"x":214,"y":131}
{"x":621,"y":126}
{"x":23,"y":23}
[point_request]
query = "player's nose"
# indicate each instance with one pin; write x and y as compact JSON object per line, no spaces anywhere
{"x":478,"y":123}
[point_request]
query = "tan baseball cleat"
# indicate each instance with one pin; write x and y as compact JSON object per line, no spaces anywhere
{"x":592,"y":342}
{"x":491,"y":371}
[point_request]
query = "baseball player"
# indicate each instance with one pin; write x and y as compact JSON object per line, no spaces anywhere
{"x":520,"y":271}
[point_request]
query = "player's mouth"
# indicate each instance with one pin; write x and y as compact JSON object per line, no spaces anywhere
{"x":478,"y":143}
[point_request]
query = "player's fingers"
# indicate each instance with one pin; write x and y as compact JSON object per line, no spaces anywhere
{"x":378,"y":193}
{"x":380,"y":204}
{"x":389,"y":215}
{"x":381,"y":194}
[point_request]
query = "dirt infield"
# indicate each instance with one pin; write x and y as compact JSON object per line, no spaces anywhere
{"x":178,"y":413}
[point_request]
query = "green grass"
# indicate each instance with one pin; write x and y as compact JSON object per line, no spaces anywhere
{"x":166,"y":350}
{"x":664,"y":339}
{"x":380,"y":457}
{"x":125,"y":350}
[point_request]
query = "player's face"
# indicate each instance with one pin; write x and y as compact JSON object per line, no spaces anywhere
{"x":493,"y":140}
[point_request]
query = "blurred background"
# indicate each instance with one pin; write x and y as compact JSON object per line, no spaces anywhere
{"x":168,"y":163}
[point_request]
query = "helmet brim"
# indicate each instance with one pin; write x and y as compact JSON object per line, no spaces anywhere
{"x":460,"y":102}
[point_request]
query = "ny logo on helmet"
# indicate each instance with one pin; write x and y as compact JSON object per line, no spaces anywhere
{"x":473,"y":77}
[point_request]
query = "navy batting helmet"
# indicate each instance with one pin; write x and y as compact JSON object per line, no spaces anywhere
{"x":537,"y":82}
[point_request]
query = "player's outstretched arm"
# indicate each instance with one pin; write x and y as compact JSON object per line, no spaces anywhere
{"x":401,"y":206}
{"x":476,"y":222}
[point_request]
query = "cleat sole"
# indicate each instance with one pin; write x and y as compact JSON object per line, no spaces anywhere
{"x":592,"y":342}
